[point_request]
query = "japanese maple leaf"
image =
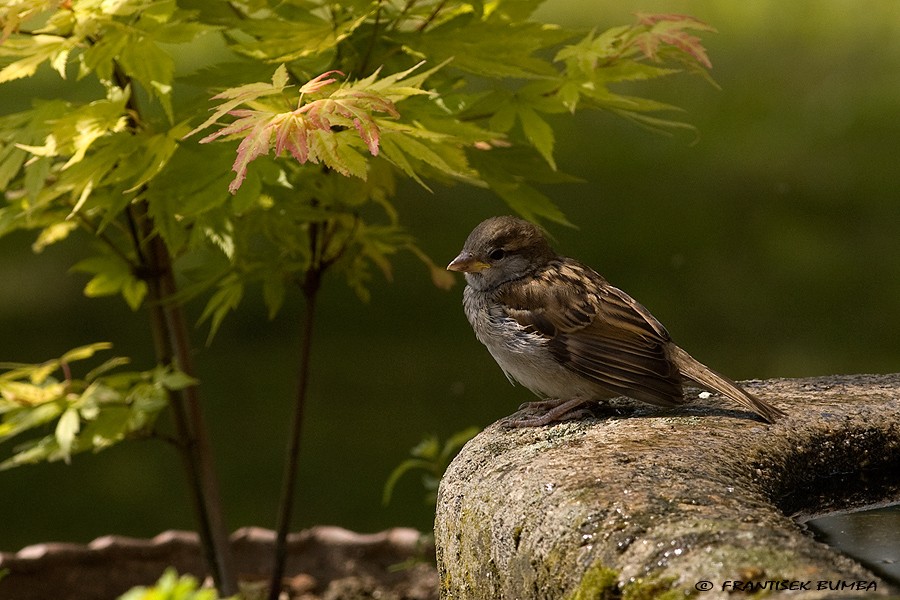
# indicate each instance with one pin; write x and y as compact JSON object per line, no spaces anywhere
{"x":670,"y":30}
{"x":309,"y":132}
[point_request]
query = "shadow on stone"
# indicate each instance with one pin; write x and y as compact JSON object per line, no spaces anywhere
{"x":655,"y":503}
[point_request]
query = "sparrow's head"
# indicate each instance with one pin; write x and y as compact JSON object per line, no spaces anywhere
{"x":502,"y":249}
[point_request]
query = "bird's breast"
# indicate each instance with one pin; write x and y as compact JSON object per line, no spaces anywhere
{"x":521,"y":352}
{"x":495,"y":328}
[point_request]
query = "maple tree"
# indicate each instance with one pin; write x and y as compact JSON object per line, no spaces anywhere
{"x":318,"y":109}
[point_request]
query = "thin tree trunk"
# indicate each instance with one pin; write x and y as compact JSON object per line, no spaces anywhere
{"x":172,"y":343}
{"x":289,"y":479}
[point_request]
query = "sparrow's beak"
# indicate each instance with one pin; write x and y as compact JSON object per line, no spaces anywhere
{"x":467,"y":263}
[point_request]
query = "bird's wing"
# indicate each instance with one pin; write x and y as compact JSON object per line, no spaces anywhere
{"x":597,"y":331}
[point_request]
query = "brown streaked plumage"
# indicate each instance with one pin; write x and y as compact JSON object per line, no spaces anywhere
{"x":560,"y":329}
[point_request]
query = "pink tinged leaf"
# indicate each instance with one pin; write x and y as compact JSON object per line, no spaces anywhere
{"x":670,"y":29}
{"x":253,"y":146}
{"x":374,"y":103}
{"x":647,"y":44}
{"x":689,"y":44}
{"x":316,"y":84}
{"x":673,"y":21}
{"x":345,"y":109}
{"x":362,"y":120}
{"x":282,"y":131}
{"x":653,"y":18}
{"x":242,"y":94}
{"x":317,"y":113}
{"x":324,"y":147}
{"x":291,"y":134}
{"x":248,"y":120}
{"x":369,"y":133}
{"x":361,"y":112}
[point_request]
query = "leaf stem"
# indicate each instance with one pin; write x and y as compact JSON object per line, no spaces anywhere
{"x":432,"y":16}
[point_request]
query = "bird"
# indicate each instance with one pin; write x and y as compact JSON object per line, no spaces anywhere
{"x":558,"y":328}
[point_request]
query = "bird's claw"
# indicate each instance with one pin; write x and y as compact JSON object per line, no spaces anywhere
{"x":540,"y":405}
{"x":553,"y":411}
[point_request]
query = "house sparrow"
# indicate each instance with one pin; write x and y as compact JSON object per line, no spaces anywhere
{"x":560,"y":329}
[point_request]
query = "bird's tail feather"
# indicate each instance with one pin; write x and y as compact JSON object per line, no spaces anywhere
{"x":706,"y":377}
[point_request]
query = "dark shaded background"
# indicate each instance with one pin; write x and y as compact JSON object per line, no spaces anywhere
{"x":769,"y":245}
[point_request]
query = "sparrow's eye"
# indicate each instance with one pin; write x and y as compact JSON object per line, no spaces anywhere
{"x":497,"y":254}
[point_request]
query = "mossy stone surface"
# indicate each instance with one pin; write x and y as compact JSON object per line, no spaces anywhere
{"x":664,"y":499}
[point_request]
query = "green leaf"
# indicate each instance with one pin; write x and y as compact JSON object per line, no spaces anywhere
{"x":430,"y":456}
{"x":100,"y":56}
{"x":110,"y":426}
{"x":223,"y":301}
{"x":36,"y":50}
{"x":655,"y":124}
{"x":528,"y":201}
{"x":24,"y":419}
{"x":504,"y":117}
{"x":152,"y":67}
{"x":90,"y":414}
{"x":66,"y":429}
{"x":389,"y":86}
{"x":281,"y":40}
{"x":440,"y":277}
{"x":490,"y":47}
{"x":146,"y":400}
{"x":31,"y":394}
{"x":172,"y":587}
{"x":539,"y":133}
{"x":402,"y":469}
{"x":394,"y":153}
{"x":53,"y":234}
{"x":74,"y":133}
{"x":84,"y":352}
{"x":109,"y":365}
{"x":105,"y":284}
{"x":428,"y":448}
{"x":273,"y":293}
{"x":510,"y":173}
{"x":173,"y":379}
{"x":11,"y":160}
{"x":334,"y":151}
{"x":402,"y":143}
{"x":39,"y":373}
{"x":133,"y":292}
{"x":157,"y":150}
{"x":182,"y":194}
{"x":112,"y":275}
{"x":631,"y":70}
{"x":32,"y":452}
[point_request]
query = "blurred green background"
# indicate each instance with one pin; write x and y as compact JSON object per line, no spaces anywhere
{"x":769,"y":244}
